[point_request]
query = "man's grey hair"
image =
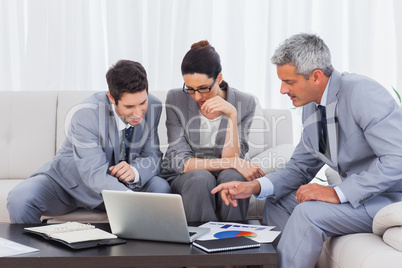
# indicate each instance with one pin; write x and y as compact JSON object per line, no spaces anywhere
{"x":307,"y":52}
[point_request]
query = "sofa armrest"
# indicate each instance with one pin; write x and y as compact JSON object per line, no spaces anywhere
{"x":387,"y":217}
{"x":388,"y":224}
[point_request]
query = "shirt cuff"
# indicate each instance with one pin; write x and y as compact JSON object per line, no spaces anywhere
{"x":267,"y":188}
{"x":134,"y":184}
{"x":340,"y":194}
{"x":137,"y":175}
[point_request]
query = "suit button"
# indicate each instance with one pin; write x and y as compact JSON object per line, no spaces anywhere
{"x":344,"y":175}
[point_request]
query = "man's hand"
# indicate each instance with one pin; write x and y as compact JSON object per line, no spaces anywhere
{"x":249,"y":170}
{"x":123,"y":172}
{"x":231,"y":191}
{"x":314,"y":191}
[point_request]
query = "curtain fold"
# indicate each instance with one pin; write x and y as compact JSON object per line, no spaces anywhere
{"x":70,"y":44}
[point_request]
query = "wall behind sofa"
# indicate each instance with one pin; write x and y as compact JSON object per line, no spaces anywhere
{"x":70,"y":44}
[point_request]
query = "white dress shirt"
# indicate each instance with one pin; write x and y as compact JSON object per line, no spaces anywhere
{"x":209,"y":129}
{"x":121,"y":127}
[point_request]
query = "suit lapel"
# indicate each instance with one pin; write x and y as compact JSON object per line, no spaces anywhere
{"x":312,"y":120}
{"x":332,"y":121}
{"x":310,"y":128}
{"x":137,"y":139}
{"x":113,"y":138}
{"x":332,"y":127}
{"x":310,"y":135}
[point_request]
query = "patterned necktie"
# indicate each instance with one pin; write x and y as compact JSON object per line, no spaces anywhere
{"x":322,"y":130}
{"x":127,"y":140}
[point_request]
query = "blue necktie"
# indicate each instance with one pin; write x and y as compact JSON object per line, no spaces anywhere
{"x":322,"y":130}
{"x":127,"y":140}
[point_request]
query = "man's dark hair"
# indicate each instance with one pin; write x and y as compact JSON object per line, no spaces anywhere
{"x":126,"y":76}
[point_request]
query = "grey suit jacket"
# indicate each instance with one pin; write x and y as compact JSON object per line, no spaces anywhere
{"x":365,"y":144}
{"x":81,"y":166}
{"x":183,"y":127}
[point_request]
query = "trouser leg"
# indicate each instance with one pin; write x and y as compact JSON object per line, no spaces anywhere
{"x":277,"y":213}
{"x":36,"y":196}
{"x":230,"y":213}
{"x":310,"y":224}
{"x":195,"y":188}
{"x":156,"y":185}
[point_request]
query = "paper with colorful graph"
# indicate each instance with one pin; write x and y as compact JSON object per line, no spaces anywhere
{"x":259,"y":233}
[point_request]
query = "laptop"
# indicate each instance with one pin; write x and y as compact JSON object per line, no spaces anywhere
{"x":149,"y":216}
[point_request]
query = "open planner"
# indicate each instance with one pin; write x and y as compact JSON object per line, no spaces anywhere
{"x":76,"y":235}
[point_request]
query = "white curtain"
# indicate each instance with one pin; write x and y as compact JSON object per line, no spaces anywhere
{"x":70,"y":44}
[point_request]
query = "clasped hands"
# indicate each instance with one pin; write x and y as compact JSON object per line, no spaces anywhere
{"x":123,"y":172}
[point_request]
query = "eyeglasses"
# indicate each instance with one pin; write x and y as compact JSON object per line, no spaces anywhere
{"x":200,"y":90}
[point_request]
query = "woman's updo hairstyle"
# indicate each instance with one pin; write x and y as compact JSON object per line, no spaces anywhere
{"x":202,"y":58}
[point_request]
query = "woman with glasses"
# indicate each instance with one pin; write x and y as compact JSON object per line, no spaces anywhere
{"x":208,"y":124}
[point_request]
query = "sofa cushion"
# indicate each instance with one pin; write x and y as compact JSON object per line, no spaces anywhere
{"x":332,"y":176}
{"x":358,"y":250}
{"x":387,"y":217}
{"x":278,"y":127}
{"x":67,"y":103}
{"x":162,"y":130}
{"x":27,"y":133}
{"x":273,"y":158}
{"x":258,"y":127}
{"x":393,"y":237}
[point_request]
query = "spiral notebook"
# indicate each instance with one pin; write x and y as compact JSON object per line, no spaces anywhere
{"x":225,"y":244}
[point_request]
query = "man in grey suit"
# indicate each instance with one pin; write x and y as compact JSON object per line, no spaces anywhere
{"x":112,"y":143}
{"x":358,"y":133}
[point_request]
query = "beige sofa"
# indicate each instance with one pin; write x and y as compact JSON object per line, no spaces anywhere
{"x":33,"y":128}
{"x":34,"y":124}
{"x":382,"y":248}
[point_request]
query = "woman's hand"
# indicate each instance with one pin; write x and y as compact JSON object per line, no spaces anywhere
{"x":217,"y":104}
{"x":250,"y":171}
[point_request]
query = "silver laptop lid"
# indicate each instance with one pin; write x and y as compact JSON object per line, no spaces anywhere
{"x":148,"y":216}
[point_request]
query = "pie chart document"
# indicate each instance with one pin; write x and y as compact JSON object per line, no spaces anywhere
{"x":219,"y":230}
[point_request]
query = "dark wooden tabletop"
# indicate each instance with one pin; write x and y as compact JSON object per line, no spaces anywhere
{"x":135,"y":253}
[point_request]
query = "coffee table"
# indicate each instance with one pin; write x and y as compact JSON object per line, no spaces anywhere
{"x":135,"y":253}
